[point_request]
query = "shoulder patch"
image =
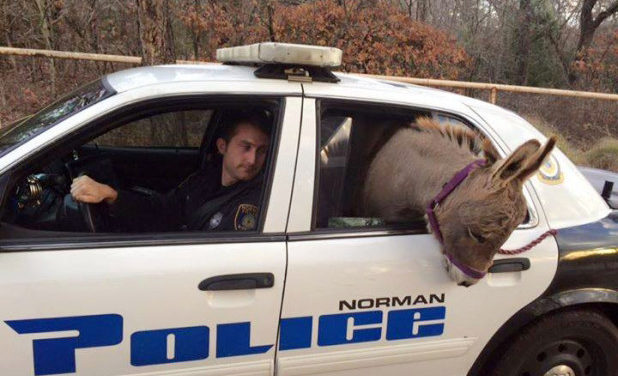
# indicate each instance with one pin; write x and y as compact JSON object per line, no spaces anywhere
{"x":246,"y":217}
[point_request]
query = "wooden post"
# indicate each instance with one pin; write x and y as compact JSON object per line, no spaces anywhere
{"x":493,"y":95}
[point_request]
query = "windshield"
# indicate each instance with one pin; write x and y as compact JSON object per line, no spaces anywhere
{"x":23,"y":130}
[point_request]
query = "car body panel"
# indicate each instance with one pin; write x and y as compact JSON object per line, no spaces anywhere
{"x":326,"y":268}
{"x":151,"y":288}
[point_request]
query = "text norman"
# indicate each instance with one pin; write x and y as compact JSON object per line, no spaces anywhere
{"x":395,"y":301}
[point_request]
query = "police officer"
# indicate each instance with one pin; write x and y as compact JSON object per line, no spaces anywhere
{"x":223,"y":196}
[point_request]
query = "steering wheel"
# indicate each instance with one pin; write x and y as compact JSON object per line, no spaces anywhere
{"x":94,"y":218}
{"x":99,"y":168}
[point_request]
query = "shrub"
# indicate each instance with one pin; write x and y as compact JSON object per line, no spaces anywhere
{"x":604,"y":154}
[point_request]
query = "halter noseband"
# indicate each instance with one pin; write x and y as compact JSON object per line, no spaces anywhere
{"x":447,"y":190}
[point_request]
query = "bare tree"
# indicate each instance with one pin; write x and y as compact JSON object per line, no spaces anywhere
{"x":588,"y":24}
{"x":46,"y":30}
{"x":6,"y":23}
{"x":422,"y":9}
{"x":524,"y":41}
{"x":195,"y":34}
{"x":155,"y":32}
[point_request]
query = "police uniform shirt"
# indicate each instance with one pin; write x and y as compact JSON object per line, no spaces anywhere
{"x":200,"y":203}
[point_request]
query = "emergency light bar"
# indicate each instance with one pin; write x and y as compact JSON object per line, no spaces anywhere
{"x":282,"y":53}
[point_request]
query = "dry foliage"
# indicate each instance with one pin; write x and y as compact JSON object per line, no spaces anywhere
{"x":375,"y":36}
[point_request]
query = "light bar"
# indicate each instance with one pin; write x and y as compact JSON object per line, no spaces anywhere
{"x":281,"y":53}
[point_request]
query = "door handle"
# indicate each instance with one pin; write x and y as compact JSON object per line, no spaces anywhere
{"x":510,"y":265}
{"x":244,"y":281}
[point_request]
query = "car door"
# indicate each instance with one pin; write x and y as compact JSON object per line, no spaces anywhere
{"x":178,"y":303}
{"x":362,"y":297}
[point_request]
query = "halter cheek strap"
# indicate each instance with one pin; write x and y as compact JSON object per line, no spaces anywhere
{"x":447,"y":190}
{"x":433,"y":222}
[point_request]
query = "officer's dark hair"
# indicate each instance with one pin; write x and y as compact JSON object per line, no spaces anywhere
{"x":260,"y":119}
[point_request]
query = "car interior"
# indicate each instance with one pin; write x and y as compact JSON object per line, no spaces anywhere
{"x":350,"y":137}
{"x":149,"y":148}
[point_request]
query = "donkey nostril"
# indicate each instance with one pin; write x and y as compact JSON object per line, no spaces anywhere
{"x":465,"y":284}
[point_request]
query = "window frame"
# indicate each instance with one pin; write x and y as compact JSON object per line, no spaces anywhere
{"x":61,"y":240}
{"x":322,"y":105}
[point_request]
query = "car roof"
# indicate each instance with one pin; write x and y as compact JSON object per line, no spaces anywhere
{"x":133,"y":78}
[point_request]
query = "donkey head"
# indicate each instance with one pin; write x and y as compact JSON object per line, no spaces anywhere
{"x":478,"y":216}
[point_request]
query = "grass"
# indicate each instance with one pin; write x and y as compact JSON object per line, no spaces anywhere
{"x":603,"y":154}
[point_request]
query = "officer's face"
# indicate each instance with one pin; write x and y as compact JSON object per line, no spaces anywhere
{"x":243,"y":155}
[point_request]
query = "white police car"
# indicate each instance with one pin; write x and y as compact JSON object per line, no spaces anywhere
{"x":303,"y":294}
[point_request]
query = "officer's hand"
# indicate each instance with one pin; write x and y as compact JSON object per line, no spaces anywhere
{"x":85,"y":189}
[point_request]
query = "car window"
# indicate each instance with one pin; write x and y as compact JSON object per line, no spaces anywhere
{"x":182,"y":129}
{"x":165,"y":164}
{"x":349,"y":138}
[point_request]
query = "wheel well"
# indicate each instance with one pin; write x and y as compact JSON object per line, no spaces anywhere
{"x":609,"y":310}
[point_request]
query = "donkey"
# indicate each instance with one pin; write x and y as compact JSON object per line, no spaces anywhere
{"x":477,"y":217}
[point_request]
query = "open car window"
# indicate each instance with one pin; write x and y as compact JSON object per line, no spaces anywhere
{"x":350,"y":136}
{"x":146,"y":152}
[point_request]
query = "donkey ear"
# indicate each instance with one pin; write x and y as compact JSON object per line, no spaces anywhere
{"x":537,"y":160}
{"x":490,"y":153}
{"x":511,"y":167}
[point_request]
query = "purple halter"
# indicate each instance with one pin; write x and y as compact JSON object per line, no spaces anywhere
{"x":433,"y":222}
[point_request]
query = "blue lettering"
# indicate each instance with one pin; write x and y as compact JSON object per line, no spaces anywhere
{"x":296,"y":333}
{"x":234,"y":339}
{"x":163,"y":346}
{"x":333,"y":328}
{"x":408,"y":323}
{"x":151,"y":346}
{"x":57,"y":355}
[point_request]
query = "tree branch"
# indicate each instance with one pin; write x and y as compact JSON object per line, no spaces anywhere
{"x":613,"y":8}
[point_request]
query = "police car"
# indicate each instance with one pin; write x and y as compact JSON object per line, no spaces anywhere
{"x":312,"y":291}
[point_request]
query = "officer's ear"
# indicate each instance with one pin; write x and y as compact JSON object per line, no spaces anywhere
{"x":221,"y":145}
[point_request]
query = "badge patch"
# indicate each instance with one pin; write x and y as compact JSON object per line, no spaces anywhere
{"x":550,"y":172}
{"x":246,"y":217}
{"x":215,"y":220}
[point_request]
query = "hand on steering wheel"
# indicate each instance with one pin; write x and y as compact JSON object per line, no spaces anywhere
{"x":88,"y":193}
{"x":86,"y":190}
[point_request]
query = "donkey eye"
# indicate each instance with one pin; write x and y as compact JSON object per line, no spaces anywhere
{"x":477,"y":237}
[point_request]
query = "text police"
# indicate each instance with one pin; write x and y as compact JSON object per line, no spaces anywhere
{"x":149,"y":347}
